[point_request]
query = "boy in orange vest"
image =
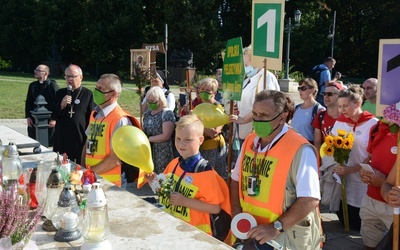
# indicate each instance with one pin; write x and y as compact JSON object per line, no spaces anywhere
{"x":197,"y":190}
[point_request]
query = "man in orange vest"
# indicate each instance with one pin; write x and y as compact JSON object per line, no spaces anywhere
{"x":105,"y":119}
{"x":276,"y":178}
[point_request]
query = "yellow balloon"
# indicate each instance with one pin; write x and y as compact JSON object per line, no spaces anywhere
{"x":132,"y":146}
{"x":211,"y":115}
{"x":321,"y":150}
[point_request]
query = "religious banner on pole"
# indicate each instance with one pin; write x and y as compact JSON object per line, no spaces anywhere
{"x":140,"y":62}
{"x":388,"y":91}
{"x":154,"y":48}
{"x":233,"y":70}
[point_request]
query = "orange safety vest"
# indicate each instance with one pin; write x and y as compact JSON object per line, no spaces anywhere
{"x":204,"y":186}
{"x":100,"y":131}
{"x":268,"y":205}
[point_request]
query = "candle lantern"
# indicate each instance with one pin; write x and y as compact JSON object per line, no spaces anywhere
{"x":67,"y":217}
{"x":96,"y":228}
{"x":55,"y":184}
{"x":11,"y":166}
{"x":43,"y":172}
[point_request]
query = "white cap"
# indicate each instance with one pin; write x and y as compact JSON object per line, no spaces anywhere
{"x":96,"y":196}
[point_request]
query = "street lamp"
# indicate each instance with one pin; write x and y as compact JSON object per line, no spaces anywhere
{"x":288,"y":28}
{"x":331,"y":34}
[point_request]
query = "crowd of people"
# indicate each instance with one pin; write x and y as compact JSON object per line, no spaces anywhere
{"x":278,"y":174}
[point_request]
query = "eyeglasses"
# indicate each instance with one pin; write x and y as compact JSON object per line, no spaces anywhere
{"x":304,"y":88}
{"x":329,"y":93}
{"x":105,"y":92}
{"x":39,"y":70}
{"x":71,"y":76}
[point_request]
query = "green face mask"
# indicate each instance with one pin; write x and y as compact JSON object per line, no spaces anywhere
{"x":153,"y":105}
{"x":264,"y":128}
{"x":99,"y":97}
{"x":205,"y":96}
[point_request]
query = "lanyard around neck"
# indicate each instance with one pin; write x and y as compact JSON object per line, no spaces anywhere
{"x":254,"y":165}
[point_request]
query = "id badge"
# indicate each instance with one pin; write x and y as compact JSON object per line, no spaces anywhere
{"x":91,"y":147}
{"x":252,"y":188}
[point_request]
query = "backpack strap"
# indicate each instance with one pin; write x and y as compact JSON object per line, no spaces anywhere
{"x":321,"y":117}
{"x":201,"y":165}
{"x":314,"y":111}
{"x":166,"y":93}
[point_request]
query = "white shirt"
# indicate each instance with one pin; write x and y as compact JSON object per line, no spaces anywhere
{"x":355,"y":188}
{"x":252,"y":86}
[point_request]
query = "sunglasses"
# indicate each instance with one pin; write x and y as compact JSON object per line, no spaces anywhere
{"x":304,"y":88}
{"x":329,"y":93}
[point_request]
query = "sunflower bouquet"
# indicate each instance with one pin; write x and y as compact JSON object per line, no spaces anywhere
{"x":339,"y":147}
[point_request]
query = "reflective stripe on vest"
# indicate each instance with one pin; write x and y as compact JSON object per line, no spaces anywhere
{"x":268,"y":205}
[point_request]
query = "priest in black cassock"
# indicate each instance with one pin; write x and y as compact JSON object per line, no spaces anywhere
{"x":71,"y":109}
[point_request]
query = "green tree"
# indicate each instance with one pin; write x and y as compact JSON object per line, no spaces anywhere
{"x":195,"y":25}
{"x":110,"y":29}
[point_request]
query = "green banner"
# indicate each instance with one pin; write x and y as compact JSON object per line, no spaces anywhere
{"x":233,"y":70}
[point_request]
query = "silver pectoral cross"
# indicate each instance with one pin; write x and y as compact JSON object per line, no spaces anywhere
{"x":71,"y":112}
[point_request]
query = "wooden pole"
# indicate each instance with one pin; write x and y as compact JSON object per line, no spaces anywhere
{"x":190,"y":88}
{"x":396,"y":210}
{"x":140,"y":105}
{"x":230,"y":149}
{"x":265,"y":73}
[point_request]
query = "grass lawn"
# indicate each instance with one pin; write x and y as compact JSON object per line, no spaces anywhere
{"x":14,"y":86}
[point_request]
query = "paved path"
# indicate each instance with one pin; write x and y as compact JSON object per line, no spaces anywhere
{"x":337,"y":238}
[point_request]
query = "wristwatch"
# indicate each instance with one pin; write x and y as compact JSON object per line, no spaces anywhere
{"x":278,"y":226}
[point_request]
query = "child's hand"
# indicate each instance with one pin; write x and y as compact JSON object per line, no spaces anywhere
{"x":150,"y":177}
{"x":177,"y":199}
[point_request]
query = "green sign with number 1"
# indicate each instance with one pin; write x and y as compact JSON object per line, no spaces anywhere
{"x":267,"y":29}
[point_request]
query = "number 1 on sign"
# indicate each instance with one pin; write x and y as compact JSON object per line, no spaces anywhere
{"x":268,"y":18}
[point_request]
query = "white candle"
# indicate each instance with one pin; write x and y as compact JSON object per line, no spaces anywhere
{"x":69,"y":221}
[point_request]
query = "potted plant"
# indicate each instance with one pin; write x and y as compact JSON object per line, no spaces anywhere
{"x":17,"y":221}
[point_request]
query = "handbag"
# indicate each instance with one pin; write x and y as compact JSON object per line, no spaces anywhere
{"x":236,"y":142}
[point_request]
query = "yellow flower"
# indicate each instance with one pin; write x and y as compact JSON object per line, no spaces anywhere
{"x":350,"y":136}
{"x":329,"y":150}
{"x":348,"y":143}
{"x":338,"y":141}
{"x":329,"y":140}
{"x":341,"y":132}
